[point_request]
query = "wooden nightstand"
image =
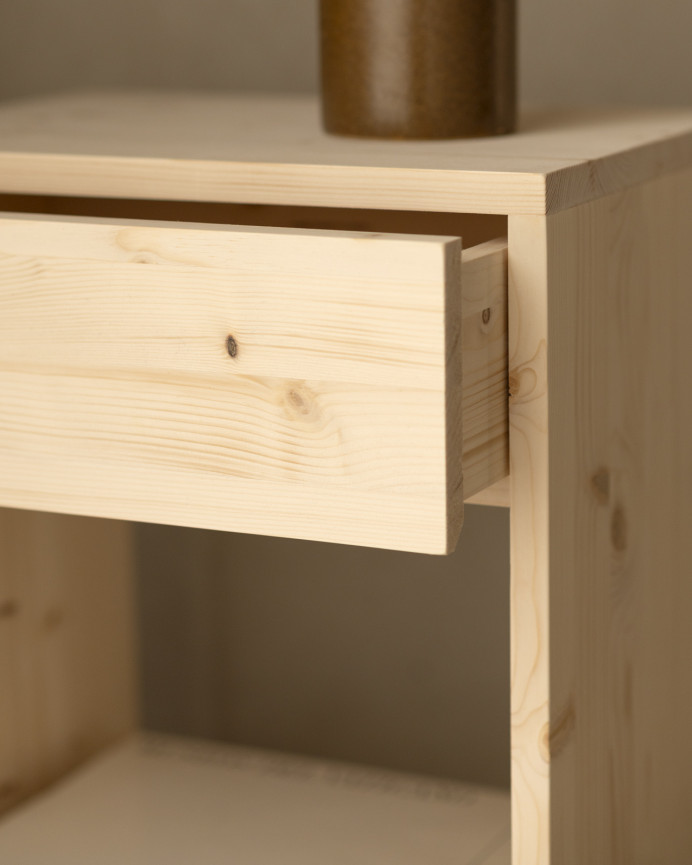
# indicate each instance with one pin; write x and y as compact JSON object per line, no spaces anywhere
{"x":215,"y":315}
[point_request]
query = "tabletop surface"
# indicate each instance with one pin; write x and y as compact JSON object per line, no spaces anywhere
{"x":271,"y":149}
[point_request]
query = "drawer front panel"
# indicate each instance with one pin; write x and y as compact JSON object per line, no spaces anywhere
{"x":286,"y":382}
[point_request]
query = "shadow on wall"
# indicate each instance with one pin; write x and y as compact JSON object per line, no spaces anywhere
{"x":377,"y":657}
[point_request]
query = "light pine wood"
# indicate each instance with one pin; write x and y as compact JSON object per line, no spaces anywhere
{"x":338,"y":419}
{"x":601,"y":308}
{"x":475,"y":229}
{"x":67,"y":673}
{"x":267,"y":149}
{"x":529,"y":502}
{"x":599,"y":358}
{"x":485,"y":397}
{"x":497,"y":495}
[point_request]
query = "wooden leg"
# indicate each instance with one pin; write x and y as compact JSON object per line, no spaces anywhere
{"x":601,"y":432}
{"x":67,"y":671}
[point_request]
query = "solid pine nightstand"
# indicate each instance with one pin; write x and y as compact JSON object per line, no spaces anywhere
{"x":214,"y":315}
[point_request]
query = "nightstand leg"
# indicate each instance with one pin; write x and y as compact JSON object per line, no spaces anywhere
{"x":601,"y":455}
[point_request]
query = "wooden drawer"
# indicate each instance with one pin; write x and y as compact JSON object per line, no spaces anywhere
{"x":335,"y":386}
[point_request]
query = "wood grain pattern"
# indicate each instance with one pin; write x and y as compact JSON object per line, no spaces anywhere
{"x":528,"y":384}
{"x":67,"y":677}
{"x":485,"y":402}
{"x":601,"y":506}
{"x":338,"y":418}
{"x":264,"y":149}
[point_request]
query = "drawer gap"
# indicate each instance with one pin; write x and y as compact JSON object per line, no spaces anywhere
{"x":474,"y":228}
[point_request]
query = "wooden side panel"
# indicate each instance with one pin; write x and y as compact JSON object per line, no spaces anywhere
{"x":529,"y":564}
{"x":294,"y":383}
{"x":484,"y":388}
{"x":67,"y":671}
{"x":602,"y":550}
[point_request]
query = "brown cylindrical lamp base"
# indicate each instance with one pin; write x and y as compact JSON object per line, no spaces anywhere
{"x":418,"y":68}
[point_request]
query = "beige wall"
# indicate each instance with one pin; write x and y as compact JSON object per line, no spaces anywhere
{"x":380,"y":657}
{"x":606,"y":51}
{"x":242,"y":44}
{"x":594,"y":50}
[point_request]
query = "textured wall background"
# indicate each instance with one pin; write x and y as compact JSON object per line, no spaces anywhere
{"x":372,"y":656}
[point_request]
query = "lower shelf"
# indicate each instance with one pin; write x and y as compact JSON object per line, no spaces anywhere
{"x":162,"y":800}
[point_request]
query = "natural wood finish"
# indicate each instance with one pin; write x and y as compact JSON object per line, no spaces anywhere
{"x":67,"y":679}
{"x":267,"y":149}
{"x":338,"y":419}
{"x":528,"y":310}
{"x":485,"y":395}
{"x":601,"y":547}
{"x":497,"y":495}
{"x":599,"y":356}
